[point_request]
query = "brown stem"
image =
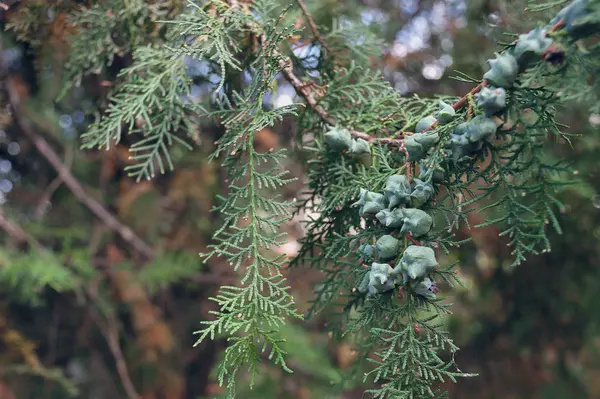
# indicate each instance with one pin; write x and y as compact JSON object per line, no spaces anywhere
{"x":304,"y":90}
{"x":16,"y":232}
{"x":559,"y":25}
{"x":54,"y":185}
{"x":313,"y":27}
{"x":110,"y":330}
{"x":94,"y":206}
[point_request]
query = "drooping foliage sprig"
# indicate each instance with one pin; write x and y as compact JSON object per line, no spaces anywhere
{"x":390,"y":178}
{"x":153,"y":107}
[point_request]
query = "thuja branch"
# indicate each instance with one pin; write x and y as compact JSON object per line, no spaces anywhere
{"x":460,"y":103}
{"x":304,"y":90}
{"x":399,"y":223}
{"x":250,"y":314}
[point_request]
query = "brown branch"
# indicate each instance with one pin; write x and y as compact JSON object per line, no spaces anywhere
{"x":73,"y":184}
{"x":303,"y":90}
{"x":558,"y":25}
{"x":110,"y":330}
{"x":313,"y":27}
{"x":53,"y":186}
{"x":112,"y":338}
{"x":17,"y":233}
{"x":306,"y":93}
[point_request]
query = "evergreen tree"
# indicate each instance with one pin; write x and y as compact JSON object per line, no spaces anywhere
{"x":391,"y":178}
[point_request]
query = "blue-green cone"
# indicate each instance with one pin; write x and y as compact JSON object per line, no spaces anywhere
{"x":467,"y":138}
{"x":445,"y":113}
{"x":425,"y":287}
{"x":491,"y":100}
{"x":424,"y":123}
{"x":481,"y":128}
{"x":338,"y":139}
{"x":422,"y":192}
{"x":379,"y":279}
{"x":503,"y":70}
{"x":397,"y":190}
{"x":360,"y":147}
{"x":390,"y":218}
{"x":530,"y":47}
{"x":416,"y":222}
{"x":417,"y":262}
{"x":387,"y":247}
{"x":366,"y":251}
{"x":370,"y":202}
{"x":579,"y":19}
{"x":417,"y":144}
{"x":460,"y":147}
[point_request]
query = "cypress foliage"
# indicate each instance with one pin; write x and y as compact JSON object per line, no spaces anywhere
{"x":389,"y":178}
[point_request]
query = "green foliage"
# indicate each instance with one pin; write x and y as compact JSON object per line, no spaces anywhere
{"x":29,"y":274}
{"x":93,"y":46}
{"x":168,"y":269}
{"x":54,"y":375}
{"x":26,"y":25}
{"x":211,"y":34}
{"x":252,"y":216}
{"x":112,"y":28}
{"x":519,"y":181}
{"x":309,"y":359}
{"x":422,"y":176}
{"x":150,"y":103}
{"x":353,"y":41}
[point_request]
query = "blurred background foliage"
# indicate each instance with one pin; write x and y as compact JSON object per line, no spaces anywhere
{"x":83,"y":315}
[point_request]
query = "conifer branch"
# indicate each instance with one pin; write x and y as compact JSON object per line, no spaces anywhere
{"x":409,"y":361}
{"x":305,"y":92}
{"x":396,"y":227}
{"x":461,"y":102}
{"x":303,"y":89}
